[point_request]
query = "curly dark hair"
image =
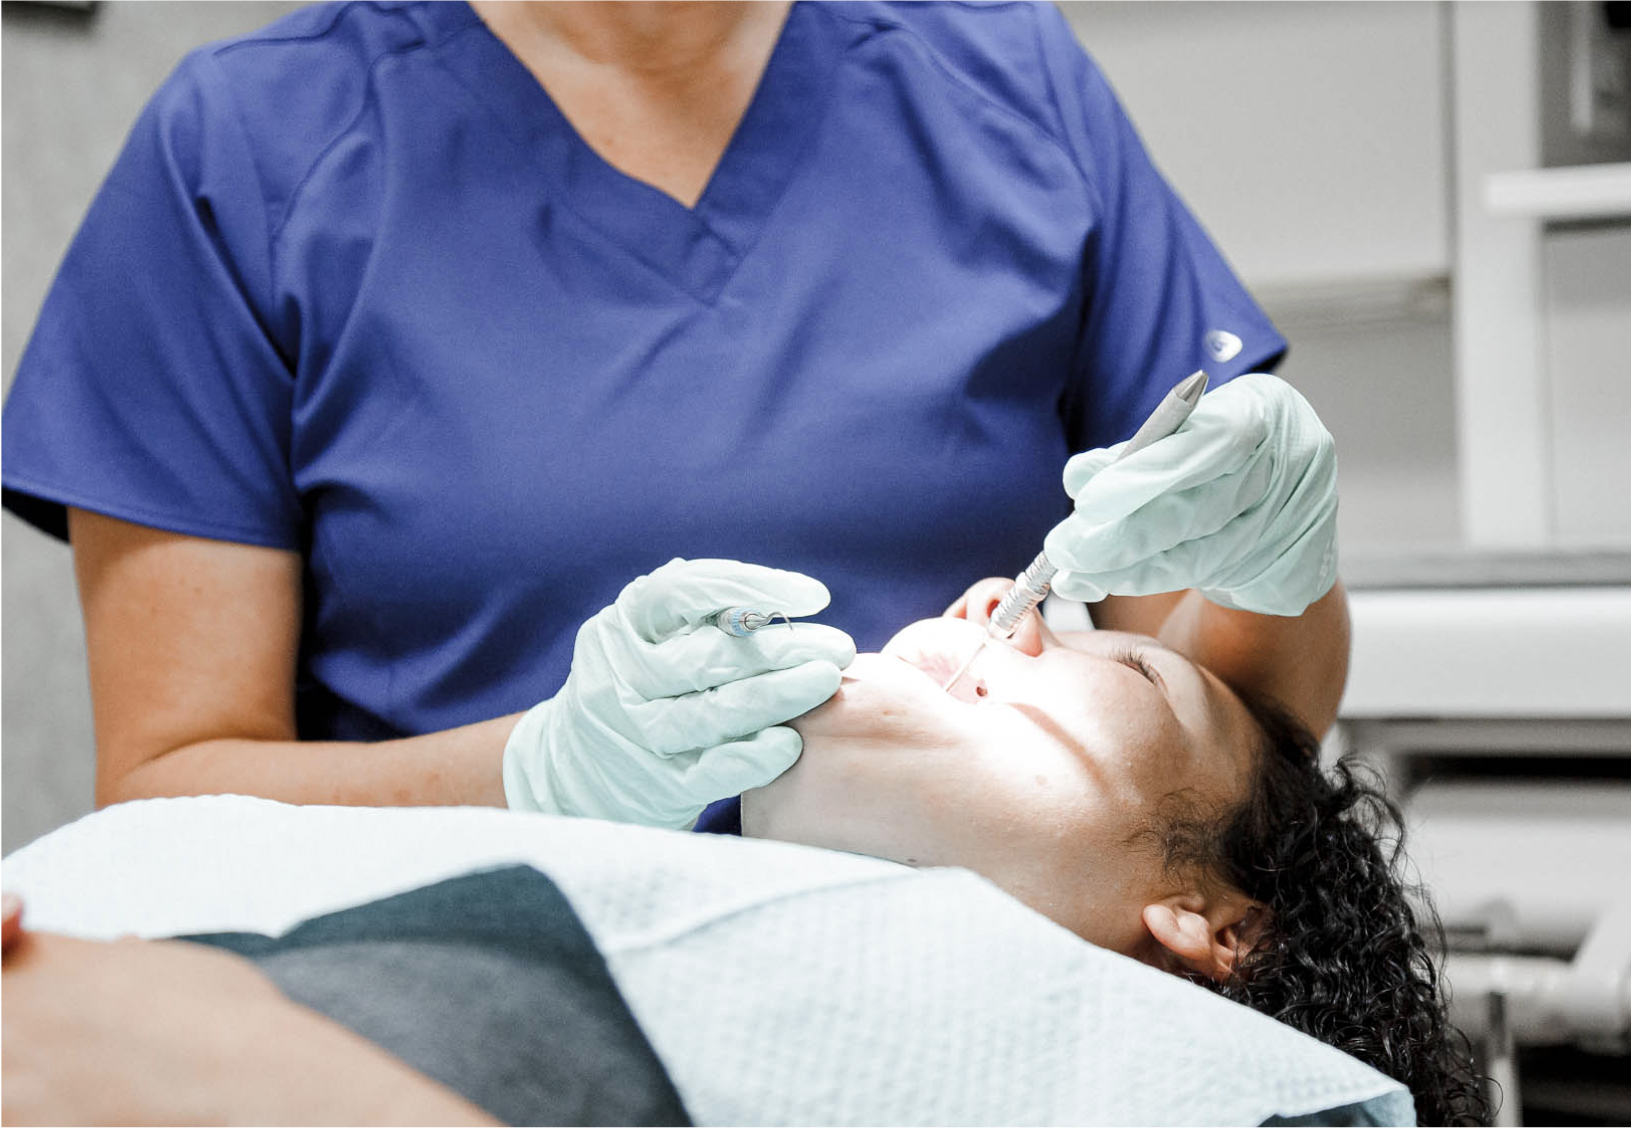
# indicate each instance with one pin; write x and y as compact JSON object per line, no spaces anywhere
{"x":1342,"y":952}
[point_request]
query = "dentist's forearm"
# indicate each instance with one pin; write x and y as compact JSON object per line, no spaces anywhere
{"x":1301,"y":662}
{"x":192,"y":647}
{"x":458,"y":767}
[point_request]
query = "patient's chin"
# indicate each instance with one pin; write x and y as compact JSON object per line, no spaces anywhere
{"x":796,"y":806}
{"x":755,"y":815}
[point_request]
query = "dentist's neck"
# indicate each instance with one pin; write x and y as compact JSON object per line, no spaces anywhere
{"x":659,"y":38}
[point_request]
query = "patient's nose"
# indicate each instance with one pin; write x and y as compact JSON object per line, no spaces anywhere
{"x":980,"y":600}
{"x":1028,"y":634}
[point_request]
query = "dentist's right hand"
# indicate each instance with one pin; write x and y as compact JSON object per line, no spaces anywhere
{"x":663,"y":713}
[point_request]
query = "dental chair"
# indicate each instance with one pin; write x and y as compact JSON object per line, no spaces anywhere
{"x":1494,"y":693}
{"x":1536,"y":900}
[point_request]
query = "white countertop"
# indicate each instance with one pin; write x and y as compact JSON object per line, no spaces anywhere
{"x":1495,"y":652}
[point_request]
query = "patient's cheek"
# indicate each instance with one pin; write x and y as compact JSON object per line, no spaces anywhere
{"x":883,"y":702}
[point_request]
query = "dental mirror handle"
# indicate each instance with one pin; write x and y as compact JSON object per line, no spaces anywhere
{"x":1033,"y":584}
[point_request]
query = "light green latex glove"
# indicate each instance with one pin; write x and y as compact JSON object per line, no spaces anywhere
{"x":1241,"y":503}
{"x":663,"y":714}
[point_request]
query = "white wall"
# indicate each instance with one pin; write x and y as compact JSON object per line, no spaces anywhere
{"x":71,"y":87}
{"x":1309,"y":137}
{"x":1587,"y":279}
{"x":1311,"y":140}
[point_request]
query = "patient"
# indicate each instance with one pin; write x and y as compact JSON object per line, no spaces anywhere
{"x":130,"y":1032}
{"x":1105,"y":781}
{"x":1129,"y":795}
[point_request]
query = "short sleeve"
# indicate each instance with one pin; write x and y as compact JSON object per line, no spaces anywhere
{"x":153,"y":388}
{"x":1161,"y":300}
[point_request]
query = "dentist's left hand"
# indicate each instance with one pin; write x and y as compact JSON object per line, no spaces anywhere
{"x":663,"y":714}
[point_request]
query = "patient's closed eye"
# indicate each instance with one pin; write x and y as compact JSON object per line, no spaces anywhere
{"x":1132,"y":659}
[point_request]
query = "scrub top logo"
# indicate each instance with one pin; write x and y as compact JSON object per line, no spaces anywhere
{"x":1221,"y":345}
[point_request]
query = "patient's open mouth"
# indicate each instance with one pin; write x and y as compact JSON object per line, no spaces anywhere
{"x":936,"y":648}
{"x":940,"y":666}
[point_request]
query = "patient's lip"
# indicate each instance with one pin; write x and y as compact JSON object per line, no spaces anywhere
{"x":937,"y":647}
{"x":940,"y":666}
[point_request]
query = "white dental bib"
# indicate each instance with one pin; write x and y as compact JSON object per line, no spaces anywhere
{"x":779,"y":984}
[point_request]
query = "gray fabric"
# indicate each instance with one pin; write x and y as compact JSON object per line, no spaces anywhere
{"x":1361,"y":1115}
{"x":486,"y":983}
{"x":482,"y":1022}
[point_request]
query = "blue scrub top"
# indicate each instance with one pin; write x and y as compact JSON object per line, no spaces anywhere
{"x":356,"y":288}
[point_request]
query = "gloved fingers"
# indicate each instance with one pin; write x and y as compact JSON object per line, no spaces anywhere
{"x":1147,"y":577}
{"x":1272,"y":562}
{"x":1290,"y":581}
{"x":741,"y":765}
{"x":1281,"y":582}
{"x":1204,"y":450}
{"x":682,"y":593}
{"x":1211,"y":561}
{"x":1084,"y":543}
{"x":1078,"y":586}
{"x":1081,"y":468}
{"x":1245,"y":412}
{"x":707,"y":657}
{"x":732,"y":711}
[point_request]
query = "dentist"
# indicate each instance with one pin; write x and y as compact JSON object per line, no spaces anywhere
{"x":399,"y":337}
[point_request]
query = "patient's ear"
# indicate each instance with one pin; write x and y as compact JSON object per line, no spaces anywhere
{"x":1201,"y":935}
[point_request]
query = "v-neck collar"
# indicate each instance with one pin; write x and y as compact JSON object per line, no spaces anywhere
{"x":696,"y":248}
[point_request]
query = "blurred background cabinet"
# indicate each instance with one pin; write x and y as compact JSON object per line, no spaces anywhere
{"x":1401,"y":185}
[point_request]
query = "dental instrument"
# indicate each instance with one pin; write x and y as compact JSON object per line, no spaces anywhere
{"x":603,"y":746}
{"x":1032,"y":584}
{"x":740,"y":622}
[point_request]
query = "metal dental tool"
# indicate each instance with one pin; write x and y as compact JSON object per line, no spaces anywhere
{"x":740,"y":622}
{"x":1033,"y":584}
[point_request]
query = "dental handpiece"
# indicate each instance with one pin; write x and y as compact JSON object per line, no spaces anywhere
{"x":1033,"y":584}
